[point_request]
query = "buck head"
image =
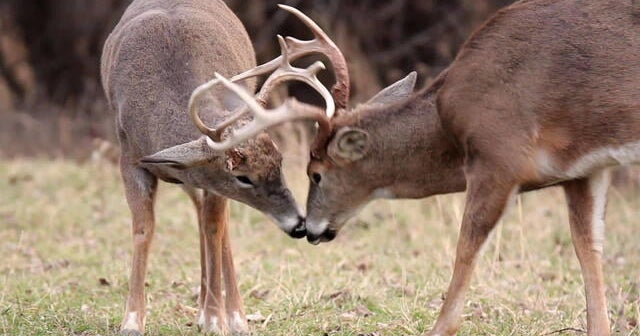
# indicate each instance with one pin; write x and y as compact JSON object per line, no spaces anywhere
{"x":249,"y":172}
{"x":345,"y":170}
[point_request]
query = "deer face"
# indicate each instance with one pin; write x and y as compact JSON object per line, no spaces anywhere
{"x":250,"y":173}
{"x":254,"y":177}
{"x":347,"y":175}
{"x":339,"y":184}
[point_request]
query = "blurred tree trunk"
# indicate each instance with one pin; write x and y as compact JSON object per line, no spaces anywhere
{"x":57,"y":45}
{"x":17,"y":80}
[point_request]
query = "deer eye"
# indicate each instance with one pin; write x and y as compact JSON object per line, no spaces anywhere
{"x":245,"y":181}
{"x":316,"y":178}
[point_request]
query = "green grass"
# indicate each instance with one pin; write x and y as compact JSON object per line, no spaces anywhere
{"x":64,"y":226}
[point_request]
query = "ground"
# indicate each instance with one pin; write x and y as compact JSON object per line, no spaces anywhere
{"x":65,"y":249}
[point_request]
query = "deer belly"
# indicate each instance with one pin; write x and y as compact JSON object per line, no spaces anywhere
{"x":554,"y":168}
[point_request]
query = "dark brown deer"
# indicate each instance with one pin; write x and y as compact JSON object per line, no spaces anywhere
{"x":156,"y":56}
{"x":546,"y":93}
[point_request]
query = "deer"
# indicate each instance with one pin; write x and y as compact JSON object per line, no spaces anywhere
{"x":156,"y":72}
{"x":545,"y":93}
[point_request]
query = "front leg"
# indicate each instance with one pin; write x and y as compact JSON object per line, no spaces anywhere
{"x":140,"y":187}
{"x":212,"y":316}
{"x":235,"y":308}
{"x":487,"y":196}
{"x":198,"y":199}
{"x":587,"y":202}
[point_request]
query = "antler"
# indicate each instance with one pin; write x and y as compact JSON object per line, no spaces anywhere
{"x":324,"y":45}
{"x":286,"y":72}
{"x":262,"y":118}
{"x":292,"y":49}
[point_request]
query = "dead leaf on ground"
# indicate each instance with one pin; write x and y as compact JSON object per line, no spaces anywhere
{"x":363,"y":267}
{"x":359,"y":311}
{"x":348,"y":316}
{"x":338,"y":294}
{"x":332,"y":330}
{"x":548,"y":276}
{"x":85,"y":308}
{"x":363,"y":311}
{"x":259,"y":294}
{"x":256,"y":317}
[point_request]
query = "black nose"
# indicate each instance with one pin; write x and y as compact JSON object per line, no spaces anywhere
{"x":300,"y":230}
{"x":327,"y":236}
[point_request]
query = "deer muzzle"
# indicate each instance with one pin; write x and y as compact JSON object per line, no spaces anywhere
{"x":300,"y":230}
{"x":326,"y":236}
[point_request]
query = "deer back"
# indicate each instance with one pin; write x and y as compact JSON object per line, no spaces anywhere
{"x":557,"y":79}
{"x":158,"y":53}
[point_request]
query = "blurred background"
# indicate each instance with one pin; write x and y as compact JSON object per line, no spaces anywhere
{"x":52,"y":104}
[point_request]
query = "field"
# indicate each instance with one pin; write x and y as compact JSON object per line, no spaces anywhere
{"x":65,"y":249}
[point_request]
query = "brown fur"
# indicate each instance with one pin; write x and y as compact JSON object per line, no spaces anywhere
{"x":156,"y":56}
{"x":558,"y":77}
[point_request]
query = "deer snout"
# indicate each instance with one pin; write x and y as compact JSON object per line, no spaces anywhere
{"x":294,"y":225}
{"x":300,"y":230}
{"x":326,"y":236}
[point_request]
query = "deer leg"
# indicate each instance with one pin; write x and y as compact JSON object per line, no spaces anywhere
{"x":197,"y":199}
{"x":486,"y":199}
{"x":235,"y":310}
{"x":140,"y":187}
{"x":587,"y":199}
{"x":212,"y":229}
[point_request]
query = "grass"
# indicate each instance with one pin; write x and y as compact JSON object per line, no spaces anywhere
{"x":65,"y":251}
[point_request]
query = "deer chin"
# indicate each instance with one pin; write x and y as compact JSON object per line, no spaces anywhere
{"x":322,"y":232}
{"x":325,"y":230}
{"x":326,"y":236}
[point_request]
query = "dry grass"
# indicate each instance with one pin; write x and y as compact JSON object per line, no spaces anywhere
{"x":64,"y":227}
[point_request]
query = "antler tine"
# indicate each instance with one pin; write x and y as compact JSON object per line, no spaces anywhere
{"x":287,"y":72}
{"x":324,"y":45}
{"x":264,"y":119}
{"x":216,"y":133}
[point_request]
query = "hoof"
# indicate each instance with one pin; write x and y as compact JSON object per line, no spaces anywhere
{"x":129,"y":332}
{"x":238,"y":325}
{"x":211,"y":325}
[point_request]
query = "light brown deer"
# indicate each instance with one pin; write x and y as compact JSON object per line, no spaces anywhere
{"x":545,"y":93}
{"x":154,"y":65}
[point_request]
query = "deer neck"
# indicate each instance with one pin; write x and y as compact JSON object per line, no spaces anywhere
{"x":419,"y":158}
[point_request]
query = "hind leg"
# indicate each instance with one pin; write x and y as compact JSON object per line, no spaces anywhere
{"x":586,"y":199}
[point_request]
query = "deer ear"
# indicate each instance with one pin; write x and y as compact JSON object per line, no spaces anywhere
{"x":350,"y":144}
{"x":187,"y":155}
{"x":397,"y":91}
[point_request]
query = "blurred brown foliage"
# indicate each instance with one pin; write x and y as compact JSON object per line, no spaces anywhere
{"x":50,"y":94}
